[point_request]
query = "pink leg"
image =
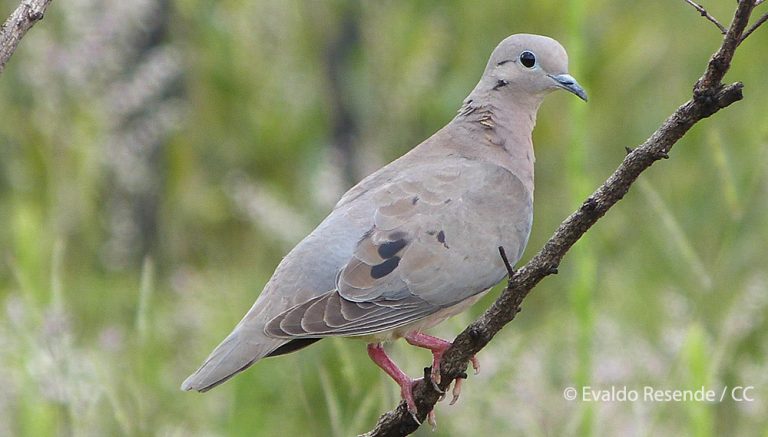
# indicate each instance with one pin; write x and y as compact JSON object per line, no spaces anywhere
{"x":438,"y":347}
{"x":379,"y":356}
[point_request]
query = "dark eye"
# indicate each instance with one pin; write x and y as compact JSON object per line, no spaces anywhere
{"x":528,"y":59}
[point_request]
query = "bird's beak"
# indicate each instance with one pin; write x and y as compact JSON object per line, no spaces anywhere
{"x":568,"y":83}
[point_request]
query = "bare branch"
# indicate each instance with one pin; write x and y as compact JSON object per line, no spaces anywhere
{"x":710,"y":95}
{"x":16,"y":26}
{"x":720,"y":62}
{"x":754,"y":27}
{"x":706,"y":15}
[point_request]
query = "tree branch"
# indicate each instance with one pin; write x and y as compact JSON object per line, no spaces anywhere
{"x":754,"y":27}
{"x":703,"y":12}
{"x":16,"y":26}
{"x":709,"y":96}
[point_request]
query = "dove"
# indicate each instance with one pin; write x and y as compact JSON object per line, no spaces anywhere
{"x":418,"y":240}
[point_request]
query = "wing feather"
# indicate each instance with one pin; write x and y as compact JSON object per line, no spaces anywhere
{"x":303,"y":321}
{"x":433,"y":243}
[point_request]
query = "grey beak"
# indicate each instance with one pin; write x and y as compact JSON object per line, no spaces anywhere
{"x":568,"y":83}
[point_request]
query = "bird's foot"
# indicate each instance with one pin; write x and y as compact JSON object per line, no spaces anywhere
{"x":406,"y":392}
{"x":435,"y":372}
{"x":438,"y":346}
{"x":377,"y":354}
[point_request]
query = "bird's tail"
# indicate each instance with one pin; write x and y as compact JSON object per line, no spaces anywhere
{"x":236,"y":353}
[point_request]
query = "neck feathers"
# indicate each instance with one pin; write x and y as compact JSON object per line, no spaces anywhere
{"x":504,"y":127}
{"x":504,"y":124}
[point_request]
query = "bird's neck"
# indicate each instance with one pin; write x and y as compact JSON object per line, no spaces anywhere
{"x":505,"y":127}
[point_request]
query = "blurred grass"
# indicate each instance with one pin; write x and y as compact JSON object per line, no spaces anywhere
{"x":668,"y":290}
{"x":581,"y":290}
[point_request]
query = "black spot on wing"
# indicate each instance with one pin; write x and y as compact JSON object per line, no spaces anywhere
{"x":390,"y":248}
{"x":385,"y":268}
{"x":441,"y":238}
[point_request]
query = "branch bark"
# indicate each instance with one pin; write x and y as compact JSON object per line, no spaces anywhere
{"x":757,"y":24}
{"x":709,"y":96}
{"x":703,"y":12}
{"x":16,"y":26}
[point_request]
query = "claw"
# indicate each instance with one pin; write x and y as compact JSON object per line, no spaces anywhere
{"x":438,"y":389}
{"x":413,"y":416}
{"x":475,"y":364}
{"x":432,"y":419}
{"x":429,"y":375}
{"x":456,"y":390}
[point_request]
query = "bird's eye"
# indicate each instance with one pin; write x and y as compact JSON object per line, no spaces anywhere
{"x":528,"y":59}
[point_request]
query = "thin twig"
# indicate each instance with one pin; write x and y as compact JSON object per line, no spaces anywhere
{"x":706,"y":15}
{"x":710,"y":96}
{"x":503,"y":253}
{"x":16,"y":26}
{"x":754,"y":27}
{"x":720,"y":62}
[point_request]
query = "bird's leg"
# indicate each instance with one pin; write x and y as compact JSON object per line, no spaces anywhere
{"x":380,"y":357}
{"x":438,"y":347}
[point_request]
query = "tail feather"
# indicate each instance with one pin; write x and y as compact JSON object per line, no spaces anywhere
{"x":236,"y":353}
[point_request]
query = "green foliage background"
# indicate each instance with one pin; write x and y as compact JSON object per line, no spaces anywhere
{"x":669,"y":290}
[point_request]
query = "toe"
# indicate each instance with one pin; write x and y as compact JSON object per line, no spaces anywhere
{"x":435,"y":374}
{"x":475,"y":364}
{"x":456,"y":390}
{"x":432,"y":419}
{"x":406,"y":392}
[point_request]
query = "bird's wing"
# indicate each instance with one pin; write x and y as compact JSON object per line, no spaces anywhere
{"x":309,"y":270}
{"x":433,"y":243}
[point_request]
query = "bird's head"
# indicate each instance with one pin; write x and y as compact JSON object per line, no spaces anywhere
{"x":525,"y":65}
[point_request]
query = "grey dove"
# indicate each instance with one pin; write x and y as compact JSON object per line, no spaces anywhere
{"x":417,"y":241}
